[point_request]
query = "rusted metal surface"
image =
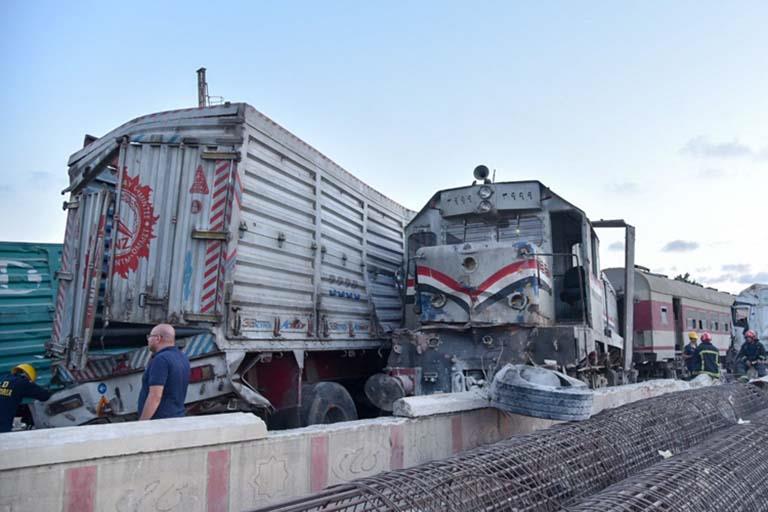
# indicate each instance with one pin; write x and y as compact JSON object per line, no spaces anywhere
{"x":546,"y":470}
{"x":723,"y":473}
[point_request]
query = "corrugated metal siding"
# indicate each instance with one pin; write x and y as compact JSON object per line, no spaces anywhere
{"x":274,"y":270}
{"x":27,"y":296}
{"x":318,"y":251}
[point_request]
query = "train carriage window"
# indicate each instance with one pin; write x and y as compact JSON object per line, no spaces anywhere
{"x":717,"y":325}
{"x":701,"y":325}
{"x":664,"y":319}
{"x":693,"y":323}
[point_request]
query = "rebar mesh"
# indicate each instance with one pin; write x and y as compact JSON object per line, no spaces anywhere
{"x":546,"y":469}
{"x":724,"y":473}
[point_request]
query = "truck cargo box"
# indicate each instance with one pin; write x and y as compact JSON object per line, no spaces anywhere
{"x":218,"y":218}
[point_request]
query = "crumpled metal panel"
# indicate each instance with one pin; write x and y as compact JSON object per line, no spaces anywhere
{"x":81,"y":274}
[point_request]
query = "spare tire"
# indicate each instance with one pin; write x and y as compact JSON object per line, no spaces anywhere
{"x":323,"y":403}
{"x":541,"y":393}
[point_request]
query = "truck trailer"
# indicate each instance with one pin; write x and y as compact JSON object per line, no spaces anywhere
{"x":275,"y":265}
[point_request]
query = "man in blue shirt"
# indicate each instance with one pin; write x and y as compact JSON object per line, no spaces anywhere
{"x":166,"y":377}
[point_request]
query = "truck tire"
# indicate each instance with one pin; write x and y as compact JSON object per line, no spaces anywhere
{"x":540,"y":393}
{"x":326,"y":402}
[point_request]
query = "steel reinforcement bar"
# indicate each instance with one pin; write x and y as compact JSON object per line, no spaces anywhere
{"x":724,"y":473}
{"x":547,"y":469}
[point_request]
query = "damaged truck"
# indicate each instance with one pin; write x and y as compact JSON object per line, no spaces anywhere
{"x":275,"y":266}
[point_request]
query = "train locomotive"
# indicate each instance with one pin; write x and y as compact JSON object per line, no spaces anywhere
{"x":498,"y":273}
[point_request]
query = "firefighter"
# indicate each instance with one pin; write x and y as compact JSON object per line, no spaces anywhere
{"x":15,"y":387}
{"x":690,"y":360}
{"x":751,"y":355}
{"x":708,"y":357}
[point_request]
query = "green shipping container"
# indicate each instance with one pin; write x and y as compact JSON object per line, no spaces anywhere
{"x":27,"y":304}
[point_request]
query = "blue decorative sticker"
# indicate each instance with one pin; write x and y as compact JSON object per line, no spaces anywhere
{"x":102,"y":388}
{"x":187,"y":284}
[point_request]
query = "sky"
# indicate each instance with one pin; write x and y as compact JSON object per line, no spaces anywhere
{"x":654,"y":112}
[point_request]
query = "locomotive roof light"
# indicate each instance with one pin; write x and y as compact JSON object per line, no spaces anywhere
{"x":481,"y":173}
{"x":485,"y":192}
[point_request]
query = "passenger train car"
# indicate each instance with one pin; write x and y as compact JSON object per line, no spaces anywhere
{"x":665,"y":311}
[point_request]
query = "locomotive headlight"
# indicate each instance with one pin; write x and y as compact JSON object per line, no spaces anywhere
{"x":438,"y":301}
{"x":485,"y":192}
{"x":484,"y":207}
{"x":517,"y":301}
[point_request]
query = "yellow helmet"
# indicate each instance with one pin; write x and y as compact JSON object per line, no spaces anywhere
{"x":28,"y":369}
{"x":693,"y":336}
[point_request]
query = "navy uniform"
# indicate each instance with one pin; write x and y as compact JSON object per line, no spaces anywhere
{"x":708,"y":356}
{"x":752,"y":351}
{"x":15,"y":387}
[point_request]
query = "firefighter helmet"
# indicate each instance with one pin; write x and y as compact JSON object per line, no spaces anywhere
{"x":27,"y":369}
{"x":750,"y":335}
{"x":693,"y":336}
{"x":705,"y":336}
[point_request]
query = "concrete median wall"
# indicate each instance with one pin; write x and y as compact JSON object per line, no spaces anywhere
{"x":230,"y":463}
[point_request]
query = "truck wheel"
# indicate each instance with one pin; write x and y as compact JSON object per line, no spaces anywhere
{"x":326,"y":402}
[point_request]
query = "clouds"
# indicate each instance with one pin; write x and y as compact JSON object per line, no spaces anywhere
{"x":738,"y":273}
{"x":680,"y":246}
{"x":702,"y":147}
{"x":616,"y":246}
{"x":737,"y":267}
{"x":745,"y":278}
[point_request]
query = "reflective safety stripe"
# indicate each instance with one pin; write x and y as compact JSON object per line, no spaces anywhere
{"x":703,"y":365}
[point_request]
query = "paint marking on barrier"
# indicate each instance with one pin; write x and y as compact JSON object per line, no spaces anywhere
{"x":318,"y":479}
{"x":396,"y":444}
{"x":80,"y":489}
{"x":457,"y":434}
{"x":217,"y":496}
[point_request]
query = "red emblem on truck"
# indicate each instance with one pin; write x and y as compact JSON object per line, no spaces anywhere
{"x":199,"y":186}
{"x":135,"y":227}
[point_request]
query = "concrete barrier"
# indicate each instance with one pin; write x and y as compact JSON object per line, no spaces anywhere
{"x":230,"y":463}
